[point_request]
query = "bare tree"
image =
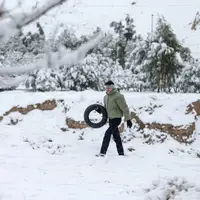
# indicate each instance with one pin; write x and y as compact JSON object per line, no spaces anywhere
{"x":12,"y":22}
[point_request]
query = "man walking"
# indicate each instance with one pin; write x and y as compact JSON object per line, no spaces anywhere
{"x":116,"y":107}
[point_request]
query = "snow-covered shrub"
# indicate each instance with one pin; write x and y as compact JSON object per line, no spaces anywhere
{"x":91,"y":74}
{"x":46,"y":144}
{"x":147,"y":136}
{"x":69,"y":40}
{"x":94,"y":72}
{"x":123,"y":78}
{"x":44,"y":80}
{"x":21,"y":44}
{"x":177,"y":188}
{"x":190,"y":152}
{"x":189,"y":81}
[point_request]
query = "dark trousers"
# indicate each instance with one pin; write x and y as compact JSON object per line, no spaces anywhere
{"x":112,"y":130}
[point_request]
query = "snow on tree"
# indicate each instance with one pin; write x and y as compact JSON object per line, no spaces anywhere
{"x":22,"y":47}
{"x":106,"y":46}
{"x":189,"y":81}
{"x":91,"y":74}
{"x":34,"y":42}
{"x":44,"y":80}
{"x":94,"y":72}
{"x":69,"y":39}
{"x":185,"y":54}
{"x":138,"y":53}
{"x":196,"y":22}
{"x":125,"y":34}
{"x":162,"y":63}
{"x":123,"y":78}
{"x":59,"y":58}
{"x":13,"y":22}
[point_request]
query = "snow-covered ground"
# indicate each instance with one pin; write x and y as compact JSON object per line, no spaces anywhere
{"x":85,"y":15}
{"x":39,"y":161}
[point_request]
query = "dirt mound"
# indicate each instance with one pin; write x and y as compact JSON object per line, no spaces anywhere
{"x":179,"y":133}
{"x":46,"y":105}
{"x":194,"y":107}
{"x":182,"y":134}
{"x":76,"y":124}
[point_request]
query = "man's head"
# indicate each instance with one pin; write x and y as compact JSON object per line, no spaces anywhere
{"x":109,"y":87}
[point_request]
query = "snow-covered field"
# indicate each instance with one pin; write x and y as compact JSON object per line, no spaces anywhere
{"x":39,"y":161}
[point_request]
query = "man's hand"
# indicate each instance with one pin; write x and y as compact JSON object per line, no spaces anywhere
{"x":129,"y":123}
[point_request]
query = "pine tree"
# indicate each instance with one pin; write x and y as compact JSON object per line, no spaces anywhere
{"x":189,"y":81}
{"x":22,"y":47}
{"x":138,"y":53}
{"x":34,"y":42}
{"x":68,"y":39}
{"x":162,"y":63}
{"x":125,"y":34}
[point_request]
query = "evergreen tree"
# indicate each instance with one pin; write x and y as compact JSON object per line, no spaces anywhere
{"x":22,"y":47}
{"x":123,"y":78}
{"x":162,"y":63}
{"x":91,"y":74}
{"x":106,"y":46}
{"x":189,"y":81}
{"x":44,"y":80}
{"x":125,"y":33}
{"x":34,"y":42}
{"x":185,"y":54}
{"x":70,"y":40}
{"x":138,"y":53}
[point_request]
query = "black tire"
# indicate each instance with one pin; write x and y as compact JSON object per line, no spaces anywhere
{"x":87,"y":112}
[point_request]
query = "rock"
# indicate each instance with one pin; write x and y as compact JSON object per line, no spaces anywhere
{"x":76,"y":124}
{"x":63,"y":129}
{"x":131,"y":149}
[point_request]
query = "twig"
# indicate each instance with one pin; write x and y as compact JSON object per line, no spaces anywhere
{"x":38,"y":13}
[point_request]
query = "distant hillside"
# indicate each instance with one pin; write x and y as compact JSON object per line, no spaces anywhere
{"x":85,"y":15}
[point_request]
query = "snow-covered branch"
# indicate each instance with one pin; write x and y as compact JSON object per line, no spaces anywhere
{"x":56,"y":59}
{"x":11,"y":22}
{"x":196,"y":22}
{"x":37,"y":13}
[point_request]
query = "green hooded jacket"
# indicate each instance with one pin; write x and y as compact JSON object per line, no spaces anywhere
{"x":116,"y":105}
